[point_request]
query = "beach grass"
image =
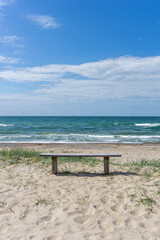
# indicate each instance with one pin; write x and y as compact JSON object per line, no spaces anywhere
{"x":27,"y":156}
{"x":138,"y":165}
{"x":19,"y":155}
{"x":43,"y":201}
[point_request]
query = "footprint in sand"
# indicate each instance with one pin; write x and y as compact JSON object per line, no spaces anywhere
{"x":114,"y":208}
{"x":81,"y":219}
{"x":100,"y":225}
{"x":125,"y":207}
{"x":127,"y":221}
{"x":115,"y":222}
{"x":141,"y":224}
{"x":103,"y":200}
{"x":51,"y":238}
{"x":24,"y":215}
{"x":132,"y":212}
{"x":44,"y":219}
{"x":3,"y":227}
{"x":120,"y":196}
{"x":17,"y":238}
{"x":72,"y":213}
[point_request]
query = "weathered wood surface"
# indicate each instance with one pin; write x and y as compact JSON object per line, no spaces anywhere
{"x":54,"y":165}
{"x":78,"y":155}
{"x":106,"y":165}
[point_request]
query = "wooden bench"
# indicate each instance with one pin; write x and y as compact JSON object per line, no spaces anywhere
{"x":55,"y":156}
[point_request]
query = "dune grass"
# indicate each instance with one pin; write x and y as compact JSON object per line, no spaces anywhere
{"x":138,"y":165}
{"x":19,"y":155}
{"x":43,"y":201}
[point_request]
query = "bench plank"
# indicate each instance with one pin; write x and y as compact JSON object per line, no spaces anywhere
{"x":78,"y":155}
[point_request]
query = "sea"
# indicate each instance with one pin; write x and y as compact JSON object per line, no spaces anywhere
{"x":79,"y":129}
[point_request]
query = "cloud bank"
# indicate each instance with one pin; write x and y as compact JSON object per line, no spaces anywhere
{"x":125,"y":77}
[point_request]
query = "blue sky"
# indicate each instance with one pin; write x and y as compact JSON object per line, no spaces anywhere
{"x":80,"y":57}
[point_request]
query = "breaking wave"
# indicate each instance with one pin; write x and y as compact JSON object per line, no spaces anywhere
{"x":6,"y":125}
{"x":147,"y":124}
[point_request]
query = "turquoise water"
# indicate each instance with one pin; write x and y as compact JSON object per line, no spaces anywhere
{"x":80,"y":129}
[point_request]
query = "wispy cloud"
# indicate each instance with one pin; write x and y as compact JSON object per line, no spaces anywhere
{"x":44,"y":21}
{"x":12,"y":40}
{"x":5,"y":2}
{"x":115,"y":78}
{"x":8,"y":60}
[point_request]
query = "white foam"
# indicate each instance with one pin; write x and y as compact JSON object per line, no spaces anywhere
{"x":79,"y":138}
{"x":139,"y":137}
{"x":147,"y":124}
{"x":82,"y":137}
{"x":6,"y":125}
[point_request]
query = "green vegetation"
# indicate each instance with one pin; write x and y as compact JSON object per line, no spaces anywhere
{"x":20,"y":155}
{"x":147,"y":201}
{"x":83,"y":160}
{"x":147,"y":174}
{"x":132,"y":196}
{"x":82,"y":201}
{"x":137,"y":166}
{"x":43,"y":201}
{"x":1,"y":204}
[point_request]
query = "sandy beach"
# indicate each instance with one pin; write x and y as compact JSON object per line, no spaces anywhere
{"x":80,"y":202}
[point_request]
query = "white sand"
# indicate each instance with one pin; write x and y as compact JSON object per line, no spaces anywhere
{"x":37,"y":205}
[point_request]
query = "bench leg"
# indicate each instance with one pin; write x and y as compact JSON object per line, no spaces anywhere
{"x":106,"y":165}
{"x":54,"y":165}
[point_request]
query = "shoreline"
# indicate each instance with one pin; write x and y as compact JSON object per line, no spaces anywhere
{"x":76,"y":143}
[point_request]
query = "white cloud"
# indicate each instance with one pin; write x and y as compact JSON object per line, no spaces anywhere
{"x":8,"y":60}
{"x":12,"y":40}
{"x":115,"y":78}
{"x":5,"y":2}
{"x":45,"y":21}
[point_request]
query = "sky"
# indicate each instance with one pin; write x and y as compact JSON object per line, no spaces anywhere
{"x":79,"y":58}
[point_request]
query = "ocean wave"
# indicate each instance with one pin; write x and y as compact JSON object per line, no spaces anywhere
{"x":6,"y":125}
{"x":79,"y":138}
{"x":147,"y":124}
{"x":140,"y":137}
